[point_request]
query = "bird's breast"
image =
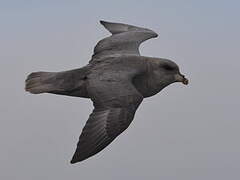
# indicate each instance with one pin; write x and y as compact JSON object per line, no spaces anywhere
{"x":147,"y":85}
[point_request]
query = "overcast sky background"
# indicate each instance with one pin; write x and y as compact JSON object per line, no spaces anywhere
{"x":183,"y":133}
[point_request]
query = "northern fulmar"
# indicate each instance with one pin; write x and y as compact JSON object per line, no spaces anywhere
{"x":116,"y":79}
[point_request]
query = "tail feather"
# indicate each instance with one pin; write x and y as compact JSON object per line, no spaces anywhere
{"x":70,"y":83}
{"x":37,"y":82}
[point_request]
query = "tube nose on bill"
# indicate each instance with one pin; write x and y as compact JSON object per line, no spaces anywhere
{"x":181,"y":78}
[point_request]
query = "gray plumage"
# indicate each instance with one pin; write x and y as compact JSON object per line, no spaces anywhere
{"x":116,"y":79}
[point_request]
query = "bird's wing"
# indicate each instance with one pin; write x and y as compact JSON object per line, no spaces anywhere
{"x":125,"y":40}
{"x":115,"y":104}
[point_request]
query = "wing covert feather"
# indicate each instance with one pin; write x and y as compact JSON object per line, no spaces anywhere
{"x":125,"y":40}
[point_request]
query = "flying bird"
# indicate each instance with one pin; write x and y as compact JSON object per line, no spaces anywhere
{"x":116,"y":79}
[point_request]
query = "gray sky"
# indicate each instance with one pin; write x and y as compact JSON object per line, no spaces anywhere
{"x":183,"y":133}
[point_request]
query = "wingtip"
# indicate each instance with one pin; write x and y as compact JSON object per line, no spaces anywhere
{"x":102,"y":22}
{"x":76,"y":158}
{"x":155,"y":35}
{"x":73,"y":162}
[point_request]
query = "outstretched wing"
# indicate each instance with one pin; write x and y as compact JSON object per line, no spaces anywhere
{"x":115,"y":104}
{"x":125,"y":39}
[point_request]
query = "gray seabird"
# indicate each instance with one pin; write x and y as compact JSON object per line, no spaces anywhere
{"x":116,"y":79}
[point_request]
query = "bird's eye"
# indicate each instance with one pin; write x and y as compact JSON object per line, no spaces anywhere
{"x":168,"y":67}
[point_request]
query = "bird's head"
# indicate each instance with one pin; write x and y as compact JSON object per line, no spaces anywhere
{"x":167,"y":72}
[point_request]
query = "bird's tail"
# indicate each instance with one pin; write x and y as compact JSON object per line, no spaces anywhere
{"x":40,"y":82}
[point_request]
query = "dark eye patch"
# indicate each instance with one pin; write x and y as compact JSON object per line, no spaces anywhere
{"x":168,"y":67}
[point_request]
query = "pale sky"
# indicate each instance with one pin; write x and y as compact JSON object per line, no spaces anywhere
{"x":182,"y":133}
